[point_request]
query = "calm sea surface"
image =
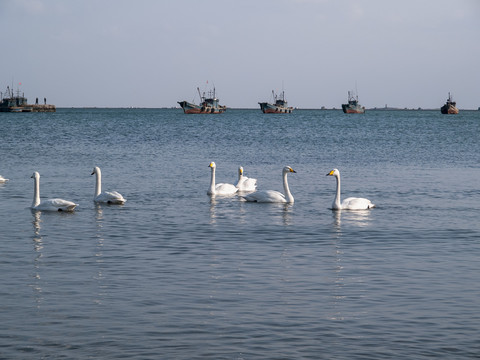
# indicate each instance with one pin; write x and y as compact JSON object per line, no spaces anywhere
{"x":174,"y":274}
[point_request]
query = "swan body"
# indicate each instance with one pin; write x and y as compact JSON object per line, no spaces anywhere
{"x":2,"y":179}
{"x":245,"y":183}
{"x":109,"y":197}
{"x":219,"y":189}
{"x":272,"y":196}
{"x":351,"y":203}
{"x":50,"y":204}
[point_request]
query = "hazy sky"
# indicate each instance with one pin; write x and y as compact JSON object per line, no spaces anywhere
{"x":153,"y":53}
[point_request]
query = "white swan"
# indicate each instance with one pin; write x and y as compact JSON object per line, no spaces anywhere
{"x":272,"y":196}
{"x":2,"y":179}
{"x":245,"y":183}
{"x":106,"y":196}
{"x":219,"y":189}
{"x":351,"y":203}
{"x":50,"y":204}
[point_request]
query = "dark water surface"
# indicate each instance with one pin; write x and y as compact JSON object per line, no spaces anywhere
{"x":174,"y":274}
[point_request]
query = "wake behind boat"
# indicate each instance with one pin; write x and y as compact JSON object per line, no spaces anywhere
{"x":208,"y":105}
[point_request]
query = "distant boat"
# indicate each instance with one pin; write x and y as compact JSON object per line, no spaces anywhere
{"x":450,"y":106}
{"x":9,"y":102}
{"x":353,"y":107}
{"x":279,"y":107}
{"x":208,"y":105}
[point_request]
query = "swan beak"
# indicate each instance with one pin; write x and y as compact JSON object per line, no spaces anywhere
{"x":92,"y":173}
{"x":291,"y":170}
{"x":330,"y":173}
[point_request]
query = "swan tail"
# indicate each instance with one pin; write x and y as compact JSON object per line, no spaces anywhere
{"x":353,"y":203}
{"x":70,"y":207}
{"x":112,"y":197}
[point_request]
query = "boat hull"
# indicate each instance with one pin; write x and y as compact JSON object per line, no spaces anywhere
{"x":29,"y":108}
{"x":189,"y":108}
{"x":353,"y":110}
{"x":449,"y":109}
{"x":274,"y":109}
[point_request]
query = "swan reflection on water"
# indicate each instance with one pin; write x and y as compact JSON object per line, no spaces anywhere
{"x":213,"y":215}
{"x":224,"y":207}
{"x":98,"y":214}
{"x":98,"y":276}
{"x":287,"y":213}
{"x":344,"y":221}
{"x":359,"y":218}
{"x":37,"y":247}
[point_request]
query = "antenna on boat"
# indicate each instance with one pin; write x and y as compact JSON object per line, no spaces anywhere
{"x":213,"y":91}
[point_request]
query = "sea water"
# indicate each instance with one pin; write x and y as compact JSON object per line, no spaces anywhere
{"x":176,"y":274}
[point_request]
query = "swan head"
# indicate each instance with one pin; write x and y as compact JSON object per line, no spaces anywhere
{"x":240,"y":170}
{"x":288,"y":169}
{"x":334,"y":172}
{"x":96,"y":170}
{"x":212,"y":165}
{"x":35,"y":175}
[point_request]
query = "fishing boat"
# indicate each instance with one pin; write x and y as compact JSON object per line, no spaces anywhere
{"x":450,"y":106}
{"x":11,"y":102}
{"x":208,"y":104}
{"x":279,"y":107}
{"x":353,"y":107}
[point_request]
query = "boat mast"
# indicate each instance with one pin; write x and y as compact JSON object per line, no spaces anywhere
{"x":200,"y":94}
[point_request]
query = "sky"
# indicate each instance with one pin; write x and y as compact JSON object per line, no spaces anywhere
{"x":153,"y":53}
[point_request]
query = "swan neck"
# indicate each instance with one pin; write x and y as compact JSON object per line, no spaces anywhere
{"x":211,"y":190}
{"x":36,"y":192}
{"x":286,"y":189}
{"x":336,"y":203}
{"x":98,"y":182}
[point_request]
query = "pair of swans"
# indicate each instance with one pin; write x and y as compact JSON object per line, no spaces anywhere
{"x":247,"y":184}
{"x":272,"y":196}
{"x":65,"y":205}
{"x":243,"y":183}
